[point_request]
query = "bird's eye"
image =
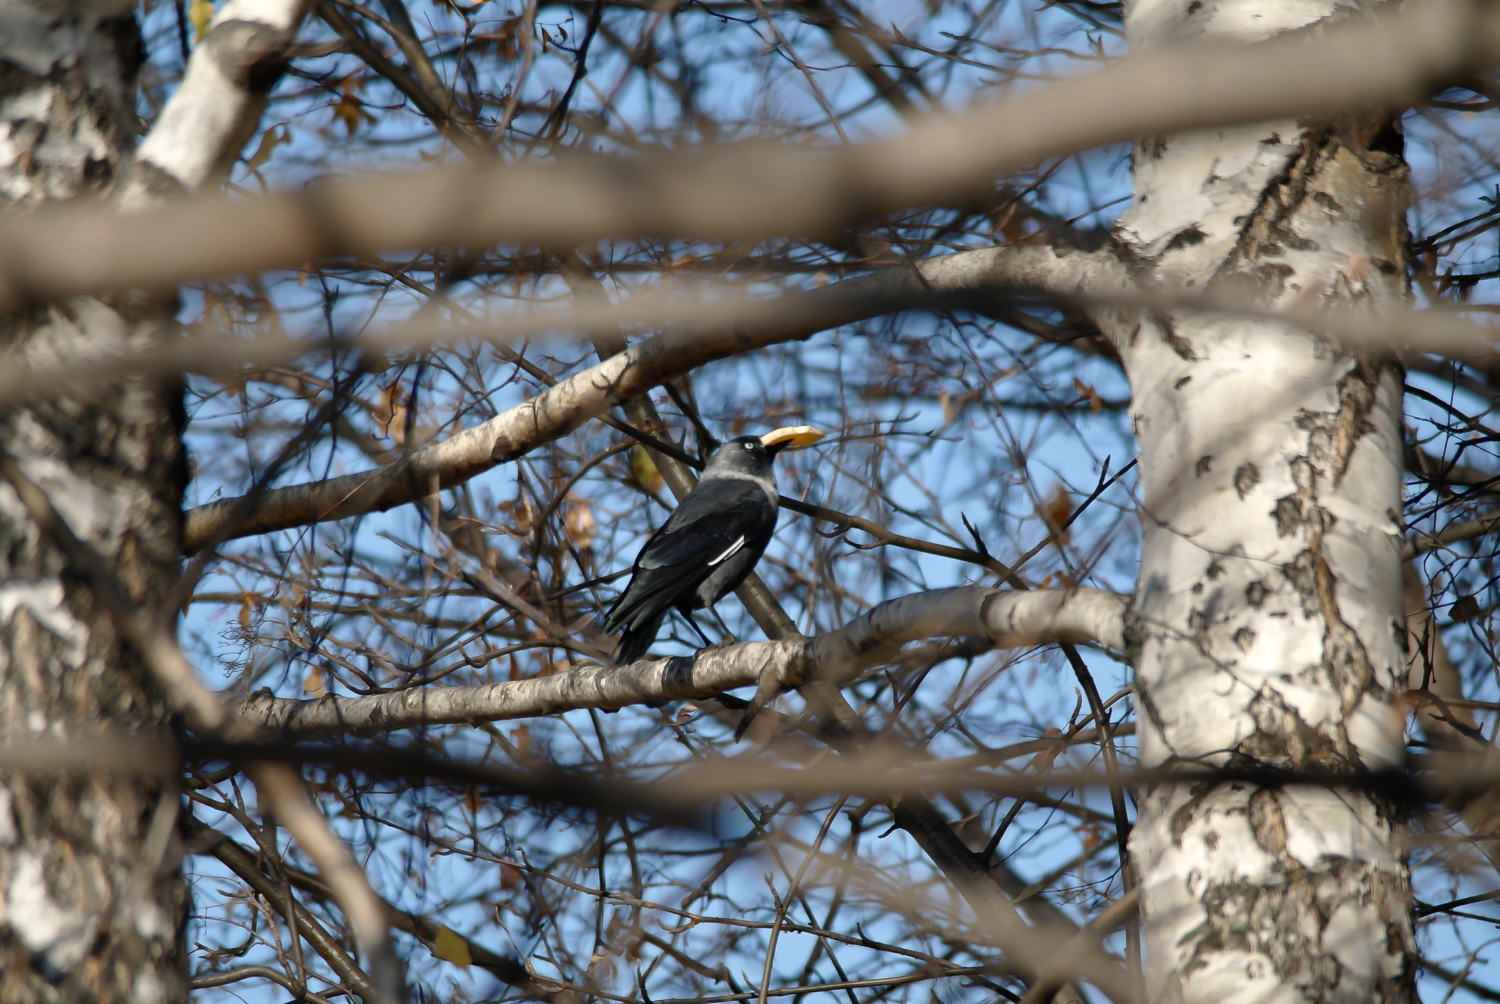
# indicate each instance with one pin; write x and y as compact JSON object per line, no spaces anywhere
{"x":749,"y":446}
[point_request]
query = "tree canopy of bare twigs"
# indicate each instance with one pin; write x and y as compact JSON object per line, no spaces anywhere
{"x":1130,"y":637}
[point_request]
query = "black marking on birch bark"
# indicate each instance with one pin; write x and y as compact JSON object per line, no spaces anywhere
{"x":1332,"y":438}
{"x":1151,"y":148}
{"x":1133,"y":635}
{"x":157,"y":182}
{"x":1345,"y":664}
{"x":1246,"y":477}
{"x":1146,"y":703}
{"x":1294,"y":512}
{"x":1186,"y":813}
{"x":1282,"y":738}
{"x":1179,"y":344}
{"x":1285,"y":921}
{"x":1267,"y":821}
{"x":1267,"y":226}
{"x":1141,"y":270}
{"x":1328,"y":202}
{"x":248,"y":53}
{"x":1187,"y":238}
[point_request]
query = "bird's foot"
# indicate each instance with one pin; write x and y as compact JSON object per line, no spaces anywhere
{"x":725,"y":642}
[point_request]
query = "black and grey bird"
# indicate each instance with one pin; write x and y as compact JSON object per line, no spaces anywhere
{"x":710,"y":543}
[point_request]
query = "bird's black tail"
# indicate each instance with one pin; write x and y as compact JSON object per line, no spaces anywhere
{"x":636,"y":640}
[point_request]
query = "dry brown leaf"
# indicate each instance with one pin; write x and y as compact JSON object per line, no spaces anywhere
{"x":1055,"y":512}
{"x":389,"y":412}
{"x":349,"y":109}
{"x":578,"y":517}
{"x":273,"y":137}
{"x":314,"y":683}
{"x":1090,"y":394}
{"x":1044,"y":758}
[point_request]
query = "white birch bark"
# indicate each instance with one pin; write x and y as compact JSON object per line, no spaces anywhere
{"x":1269,"y":604}
{"x":91,"y":903}
{"x":216,"y":108}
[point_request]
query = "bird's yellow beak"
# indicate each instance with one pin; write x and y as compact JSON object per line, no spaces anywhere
{"x":793,"y":436}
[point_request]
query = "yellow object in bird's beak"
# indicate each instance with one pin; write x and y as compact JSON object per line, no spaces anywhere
{"x":793,"y":436}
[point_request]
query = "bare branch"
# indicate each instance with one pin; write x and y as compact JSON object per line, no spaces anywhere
{"x":562,"y":408}
{"x":1008,"y":619}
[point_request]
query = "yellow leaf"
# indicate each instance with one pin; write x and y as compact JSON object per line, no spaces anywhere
{"x":314,"y":684}
{"x":451,"y":947}
{"x":201,"y":13}
{"x":644,"y":471}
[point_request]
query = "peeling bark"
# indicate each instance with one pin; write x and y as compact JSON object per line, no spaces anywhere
{"x":92,"y":904}
{"x":1269,"y":602}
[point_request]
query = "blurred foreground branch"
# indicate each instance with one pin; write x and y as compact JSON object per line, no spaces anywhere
{"x":752,"y":190}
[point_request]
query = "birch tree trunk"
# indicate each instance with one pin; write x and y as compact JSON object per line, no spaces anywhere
{"x":1269,"y":604}
{"x":91,"y":905}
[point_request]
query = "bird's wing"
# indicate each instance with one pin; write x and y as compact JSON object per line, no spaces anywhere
{"x":718,"y":519}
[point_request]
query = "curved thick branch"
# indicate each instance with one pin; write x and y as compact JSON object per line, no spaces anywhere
{"x":746,"y":191}
{"x":973,"y":277}
{"x":216,"y":108}
{"x":1008,"y":619}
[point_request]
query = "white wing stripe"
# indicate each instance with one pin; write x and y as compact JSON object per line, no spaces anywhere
{"x":729,"y":550}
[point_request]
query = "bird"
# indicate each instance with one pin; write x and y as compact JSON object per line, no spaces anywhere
{"x":710,"y":543}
